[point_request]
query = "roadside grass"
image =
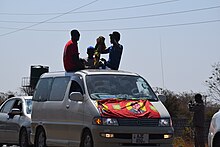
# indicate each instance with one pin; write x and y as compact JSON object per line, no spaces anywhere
{"x":180,"y":142}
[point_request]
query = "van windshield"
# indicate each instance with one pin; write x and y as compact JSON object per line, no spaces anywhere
{"x":119,"y":87}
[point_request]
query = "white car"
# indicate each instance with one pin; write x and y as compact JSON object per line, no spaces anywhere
{"x":214,"y":131}
{"x":15,"y":121}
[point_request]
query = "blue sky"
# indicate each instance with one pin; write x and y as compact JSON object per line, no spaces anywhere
{"x":171,"y":43}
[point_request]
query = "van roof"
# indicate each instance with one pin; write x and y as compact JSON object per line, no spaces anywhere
{"x":87,"y":72}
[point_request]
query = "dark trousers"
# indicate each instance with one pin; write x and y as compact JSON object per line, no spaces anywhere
{"x":199,"y":137}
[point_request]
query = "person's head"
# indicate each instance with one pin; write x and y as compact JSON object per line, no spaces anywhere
{"x":75,"y":35}
{"x":100,"y":40}
{"x":90,"y":50}
{"x":198,"y":98}
{"x":114,"y":36}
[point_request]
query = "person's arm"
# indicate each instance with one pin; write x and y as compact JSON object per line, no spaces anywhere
{"x":76,"y":59}
{"x":78,"y":62}
{"x":106,"y":51}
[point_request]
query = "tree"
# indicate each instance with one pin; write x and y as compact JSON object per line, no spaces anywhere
{"x":213,"y":82}
{"x":171,"y":102}
{"x":5,"y":96}
{"x":177,"y":103}
{"x":27,"y":91}
{"x":2,"y":97}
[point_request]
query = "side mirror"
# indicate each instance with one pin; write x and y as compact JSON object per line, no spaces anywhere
{"x":76,"y":96}
{"x":15,"y":111}
{"x":162,"y":98}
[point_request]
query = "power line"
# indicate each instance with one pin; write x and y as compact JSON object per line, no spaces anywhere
{"x":129,"y":7}
{"x":165,"y":26}
{"x":142,"y":16}
{"x":25,"y":28}
{"x":128,"y":28}
{"x":123,"y":18}
{"x":93,"y":11}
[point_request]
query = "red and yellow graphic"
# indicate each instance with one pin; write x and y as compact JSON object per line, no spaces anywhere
{"x":127,"y":108}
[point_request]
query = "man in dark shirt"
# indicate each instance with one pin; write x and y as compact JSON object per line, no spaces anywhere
{"x":71,"y":59}
{"x":198,"y":110}
{"x":115,"y":51}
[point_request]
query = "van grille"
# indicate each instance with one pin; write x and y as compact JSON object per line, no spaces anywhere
{"x":138,"y":122}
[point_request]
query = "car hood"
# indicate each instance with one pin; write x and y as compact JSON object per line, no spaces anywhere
{"x":131,"y":108}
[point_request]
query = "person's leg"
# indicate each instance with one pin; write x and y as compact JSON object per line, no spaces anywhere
{"x":196,"y":137}
{"x":200,"y":137}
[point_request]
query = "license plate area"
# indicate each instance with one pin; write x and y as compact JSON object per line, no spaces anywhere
{"x":140,"y":138}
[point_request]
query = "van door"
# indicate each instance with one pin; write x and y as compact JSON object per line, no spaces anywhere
{"x":56,"y":121}
{"x":75,"y":112}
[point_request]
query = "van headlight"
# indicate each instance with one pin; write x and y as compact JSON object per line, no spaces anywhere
{"x":105,"y":121}
{"x":165,"y":122}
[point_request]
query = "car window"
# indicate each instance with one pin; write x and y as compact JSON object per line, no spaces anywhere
{"x":18,"y":105}
{"x":7,"y":106}
{"x":59,"y":88}
{"x":43,"y":88}
{"x":75,"y":87}
{"x":28,"y":106}
{"x":119,"y":86}
{"x":142,"y":87}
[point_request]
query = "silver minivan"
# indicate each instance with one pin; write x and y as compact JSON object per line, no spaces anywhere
{"x":98,"y":108}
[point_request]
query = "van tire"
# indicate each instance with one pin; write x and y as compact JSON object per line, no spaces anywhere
{"x":40,"y":140}
{"x":87,"y":140}
{"x":23,"y":138}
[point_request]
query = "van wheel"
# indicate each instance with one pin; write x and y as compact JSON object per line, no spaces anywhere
{"x":40,"y":138}
{"x":86,"y":139}
{"x":23,"y":138}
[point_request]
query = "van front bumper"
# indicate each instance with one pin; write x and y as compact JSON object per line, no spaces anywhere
{"x":121,"y":136}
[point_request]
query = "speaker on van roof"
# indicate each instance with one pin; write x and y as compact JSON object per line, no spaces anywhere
{"x":36,"y":72}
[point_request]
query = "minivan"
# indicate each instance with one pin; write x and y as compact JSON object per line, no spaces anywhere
{"x":98,"y":108}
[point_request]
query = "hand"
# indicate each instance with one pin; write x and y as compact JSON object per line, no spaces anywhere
{"x":103,"y":60}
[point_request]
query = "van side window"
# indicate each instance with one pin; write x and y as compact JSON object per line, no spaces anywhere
{"x":75,"y":87}
{"x":43,"y":89}
{"x":59,"y":88}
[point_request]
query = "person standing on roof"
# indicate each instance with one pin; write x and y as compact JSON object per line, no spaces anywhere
{"x":115,"y":51}
{"x":71,"y":58}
